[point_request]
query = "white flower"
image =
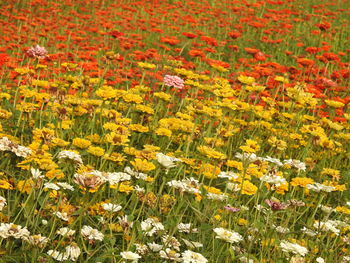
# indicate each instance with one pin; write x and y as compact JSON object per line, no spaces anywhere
{"x":63,"y":216}
{"x":12,"y":230}
{"x":247,"y":157}
{"x":227,"y":235}
{"x":271,"y":160}
{"x":293,"y":248}
{"x":2,"y":203}
{"x":244,"y":208}
{"x":72,"y":252}
{"x":186,"y":228}
{"x":51,"y":186}
{"x":115,"y":178}
{"x":36,"y":173}
{"x":38,"y":240}
{"x":139,"y":189}
{"x":91,"y":233}
{"x":154,"y":247}
{"x":150,"y":226}
{"x":130,"y":171}
{"x":171,"y":242}
{"x":57,"y":255}
{"x":141,"y":248}
{"x":245,"y":260}
{"x":229,"y":175}
{"x":111,"y":207}
{"x":22,"y":151}
{"x":190,"y":185}
{"x":308,"y":232}
{"x":296,"y":164}
{"x":124,"y":222}
{"x":7,"y":145}
{"x":317,"y":187}
{"x":219,"y":197}
{"x":167,"y":161}
{"x":44,"y":222}
{"x":170,"y":254}
{"x":327,"y":209}
{"x":71,"y":156}
{"x":281,"y":230}
{"x":65,"y":231}
{"x":320,"y":260}
{"x":66,"y":186}
{"x":192,"y":257}
{"x":328,"y":225}
{"x":128,"y":255}
{"x":273,"y":179}
{"x":234,"y":187}
{"x":192,"y":244}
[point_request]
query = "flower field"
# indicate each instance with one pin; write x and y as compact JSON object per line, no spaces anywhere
{"x":175,"y":131}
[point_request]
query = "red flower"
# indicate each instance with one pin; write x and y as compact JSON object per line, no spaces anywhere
{"x":189,"y":35}
{"x":234,"y":34}
{"x":116,"y":34}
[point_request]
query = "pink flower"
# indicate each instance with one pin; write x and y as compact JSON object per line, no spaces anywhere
{"x":173,"y":81}
{"x":37,"y":52}
{"x":275,"y":205}
{"x":232,"y":209}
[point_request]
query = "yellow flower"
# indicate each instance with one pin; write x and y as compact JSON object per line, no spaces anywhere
{"x":276,"y":143}
{"x":69,"y":65}
{"x":97,"y":151}
{"x":106,"y":92}
{"x":281,"y":189}
{"x":251,"y":147}
{"x":59,"y":142}
{"x":242,"y":222}
{"x":54,"y":173}
{"x":175,"y":124}
{"x":40,"y":83}
{"x":143,"y":165}
{"x":117,"y":139}
{"x":217,"y":217}
{"x":4,"y":184}
{"x":129,"y":97}
{"x":212,"y":189}
{"x":235,"y":164}
{"x":25,"y":186}
{"x":162,"y":96}
{"x":281,"y":79}
{"x":334,"y":104}
{"x":331,"y":172}
{"x":81,"y":143}
{"x":138,"y":128}
{"x":144,"y":109}
{"x":23,"y":71}
{"x":146,"y":65}
{"x":338,"y":187}
{"x":125,"y":187}
{"x":343,"y":209}
{"x":209,"y":171}
{"x":246,"y":80}
{"x":115,"y":157}
{"x":301,"y":181}
{"x":211,"y":153}
{"x":163,"y":132}
{"x":95,"y":138}
{"x":219,"y":68}
{"x":248,"y":188}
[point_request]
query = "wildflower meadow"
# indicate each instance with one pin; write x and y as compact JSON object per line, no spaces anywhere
{"x":175,"y":131}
